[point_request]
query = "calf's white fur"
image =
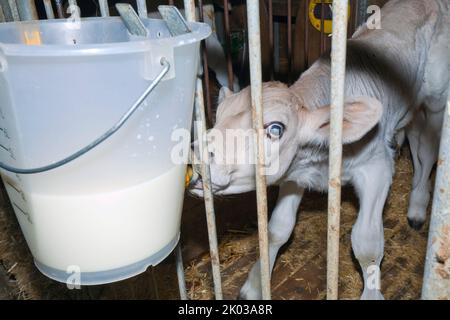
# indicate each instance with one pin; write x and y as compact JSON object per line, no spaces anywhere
{"x":397,"y":80}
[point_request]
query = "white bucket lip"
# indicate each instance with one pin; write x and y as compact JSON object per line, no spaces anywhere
{"x":200,"y":31}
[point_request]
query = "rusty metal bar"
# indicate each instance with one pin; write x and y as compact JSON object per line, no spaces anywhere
{"x":142,"y":8}
{"x":289,"y":38}
{"x":254,"y":35}
{"x":49,"y":9}
{"x":104,"y":8}
{"x":436,"y":281}
{"x":306,"y":34}
{"x":180,"y":272}
{"x":207,"y":190}
{"x":338,"y":60}
{"x":271,"y":43}
{"x":205,"y":70}
{"x":200,"y":118}
{"x":228,"y":45}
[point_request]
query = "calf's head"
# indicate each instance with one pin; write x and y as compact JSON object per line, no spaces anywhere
{"x":289,"y":125}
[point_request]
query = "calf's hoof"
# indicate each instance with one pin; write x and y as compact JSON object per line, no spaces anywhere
{"x":249,"y":293}
{"x":372,"y":295}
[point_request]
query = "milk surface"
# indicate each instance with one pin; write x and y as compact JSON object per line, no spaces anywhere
{"x":103,"y":231}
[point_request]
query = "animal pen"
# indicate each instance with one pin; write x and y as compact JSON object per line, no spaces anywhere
{"x":278,"y":40}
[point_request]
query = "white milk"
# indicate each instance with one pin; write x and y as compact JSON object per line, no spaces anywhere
{"x":104,"y":231}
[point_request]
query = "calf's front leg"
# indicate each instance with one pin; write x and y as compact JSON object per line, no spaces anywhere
{"x":372,"y":182}
{"x":281,"y":226}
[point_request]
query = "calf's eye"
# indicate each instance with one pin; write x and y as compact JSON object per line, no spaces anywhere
{"x":275,"y":130}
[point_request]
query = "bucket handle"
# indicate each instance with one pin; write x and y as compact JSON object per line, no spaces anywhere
{"x":103,"y":137}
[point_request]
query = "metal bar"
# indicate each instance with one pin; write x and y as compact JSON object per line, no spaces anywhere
{"x":352,"y":18}
{"x":2,"y":14}
{"x":436,"y":282}
{"x":228,"y":45}
{"x":180,"y":273}
{"x":142,"y":8}
{"x":60,"y":8}
{"x":104,"y":8}
{"x":27,"y":10}
{"x":338,"y":60}
{"x":14,"y":10}
{"x":271,"y":43}
{"x":322,"y":26}
{"x":289,"y":38}
{"x":49,"y":9}
{"x":200,"y":118}
{"x":207,"y":190}
{"x":6,"y":10}
{"x":254,"y":35}
{"x":155,"y":284}
{"x":361,"y":13}
{"x":306,"y":35}
{"x":205,"y":70}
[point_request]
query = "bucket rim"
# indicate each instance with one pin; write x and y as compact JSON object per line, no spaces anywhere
{"x":200,"y":31}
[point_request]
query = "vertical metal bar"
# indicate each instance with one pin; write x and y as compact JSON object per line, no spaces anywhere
{"x":205,"y":70}
{"x":14,"y":10}
{"x":180,"y":273}
{"x":207,"y":191}
{"x":254,"y":35}
{"x":6,"y":10}
{"x":306,"y":35}
{"x":104,"y":8}
{"x":142,"y":8}
{"x":49,"y":9}
{"x":436,"y":282}
{"x":60,"y":8}
{"x":322,"y":26}
{"x":2,"y":14}
{"x":27,"y":10}
{"x":228,"y":45}
{"x":200,"y":117}
{"x":271,"y":44}
{"x":361,"y":13}
{"x":289,"y":38}
{"x":155,"y":283}
{"x":352,"y":18}
{"x":338,"y":60}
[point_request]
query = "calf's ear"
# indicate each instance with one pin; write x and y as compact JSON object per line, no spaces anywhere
{"x":361,"y":114}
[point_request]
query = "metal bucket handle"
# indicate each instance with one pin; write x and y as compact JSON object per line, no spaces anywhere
{"x":103,"y":137}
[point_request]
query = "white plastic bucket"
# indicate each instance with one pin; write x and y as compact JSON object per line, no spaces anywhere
{"x":116,"y":210}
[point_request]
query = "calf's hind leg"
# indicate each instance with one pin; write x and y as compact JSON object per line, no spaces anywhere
{"x":372,"y":182}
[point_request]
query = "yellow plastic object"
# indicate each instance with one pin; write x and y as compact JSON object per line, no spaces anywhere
{"x":189,"y":176}
{"x":315,"y":14}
